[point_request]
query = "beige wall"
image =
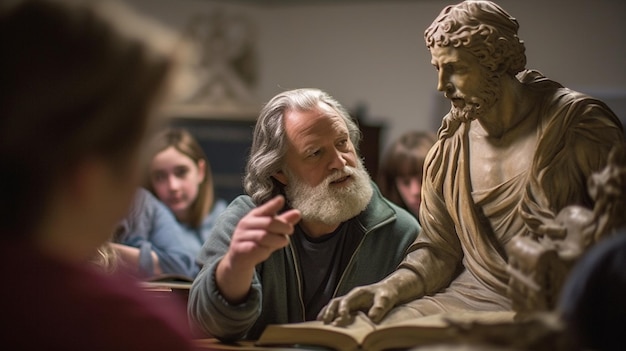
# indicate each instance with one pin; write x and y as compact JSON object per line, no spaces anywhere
{"x":373,"y":52}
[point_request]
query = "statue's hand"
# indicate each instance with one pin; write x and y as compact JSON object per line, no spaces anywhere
{"x":377,"y":299}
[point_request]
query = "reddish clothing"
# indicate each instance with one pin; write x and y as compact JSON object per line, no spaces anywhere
{"x":48,"y":304}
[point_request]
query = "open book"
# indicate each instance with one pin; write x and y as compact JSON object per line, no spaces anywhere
{"x":167,"y":282}
{"x":362,"y":334}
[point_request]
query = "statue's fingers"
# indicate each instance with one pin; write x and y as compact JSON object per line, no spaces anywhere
{"x":357,"y":299}
{"x":343,"y":320}
{"x":381,"y":306}
{"x":328,"y":312}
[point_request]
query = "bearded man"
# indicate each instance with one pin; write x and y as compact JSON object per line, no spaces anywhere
{"x":515,"y":149}
{"x":312,"y":227}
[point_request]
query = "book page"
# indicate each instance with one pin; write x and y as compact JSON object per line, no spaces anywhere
{"x":165,"y":286}
{"x":365,"y":335}
{"x":433,"y":329}
{"x":317,"y":333}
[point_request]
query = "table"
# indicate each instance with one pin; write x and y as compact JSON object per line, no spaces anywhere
{"x":214,"y":344}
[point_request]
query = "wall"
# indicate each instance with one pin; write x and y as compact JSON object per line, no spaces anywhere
{"x":372,"y":53}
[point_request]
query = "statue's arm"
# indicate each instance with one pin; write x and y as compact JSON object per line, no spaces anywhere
{"x":429,"y":265}
{"x":423,"y":271}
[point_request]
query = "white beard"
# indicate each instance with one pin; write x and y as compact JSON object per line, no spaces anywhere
{"x":331,"y":206}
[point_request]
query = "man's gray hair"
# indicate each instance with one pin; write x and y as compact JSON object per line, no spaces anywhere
{"x":269,"y":139}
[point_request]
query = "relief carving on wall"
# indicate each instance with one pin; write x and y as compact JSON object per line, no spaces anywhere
{"x":225,"y":66}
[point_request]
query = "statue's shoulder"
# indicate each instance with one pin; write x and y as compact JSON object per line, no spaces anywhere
{"x":537,"y":80}
{"x":560,"y":106}
{"x":554,"y":94}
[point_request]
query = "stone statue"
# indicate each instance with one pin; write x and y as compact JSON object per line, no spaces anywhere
{"x":515,"y":149}
{"x":540,"y":263}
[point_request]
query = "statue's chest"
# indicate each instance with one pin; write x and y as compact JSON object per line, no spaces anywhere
{"x":491,"y":165}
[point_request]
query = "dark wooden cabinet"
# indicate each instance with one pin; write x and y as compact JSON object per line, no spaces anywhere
{"x":370,"y":147}
{"x":226,"y":144}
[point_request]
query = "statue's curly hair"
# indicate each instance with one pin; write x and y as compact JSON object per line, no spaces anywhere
{"x":483,"y":28}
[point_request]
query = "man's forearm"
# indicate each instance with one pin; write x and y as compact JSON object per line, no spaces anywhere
{"x":233,"y":281}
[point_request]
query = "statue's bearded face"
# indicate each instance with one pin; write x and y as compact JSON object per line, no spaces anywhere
{"x":470,"y":86}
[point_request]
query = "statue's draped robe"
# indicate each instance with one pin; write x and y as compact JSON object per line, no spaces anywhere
{"x":460,"y":256}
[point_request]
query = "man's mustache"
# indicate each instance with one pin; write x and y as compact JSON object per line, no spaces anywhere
{"x":338,"y":174}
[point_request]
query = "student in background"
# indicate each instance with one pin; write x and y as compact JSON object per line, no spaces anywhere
{"x":400,"y":174}
{"x":151,"y":243}
{"x":75,"y":77}
{"x":179,"y":174}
